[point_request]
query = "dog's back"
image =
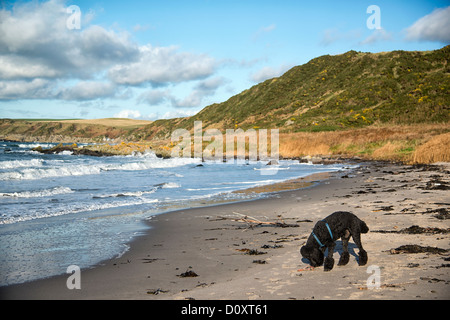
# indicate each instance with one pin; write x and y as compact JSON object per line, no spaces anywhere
{"x":347,"y":219}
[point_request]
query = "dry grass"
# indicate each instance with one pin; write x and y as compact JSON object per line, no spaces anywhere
{"x":388,"y":151}
{"x":437,"y":149}
{"x":411,"y":144}
{"x":425,"y":143}
{"x":302,"y":144}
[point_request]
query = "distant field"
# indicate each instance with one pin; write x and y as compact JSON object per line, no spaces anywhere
{"x":110,"y":122}
{"x":71,"y":130}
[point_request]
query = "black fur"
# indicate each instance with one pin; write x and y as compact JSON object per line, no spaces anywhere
{"x":343,"y":224}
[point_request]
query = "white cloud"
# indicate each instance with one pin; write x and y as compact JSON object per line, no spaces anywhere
{"x":329,"y":36}
{"x":88,"y":90}
{"x":153,"y":116}
{"x":130,"y":114}
{"x":162,"y":65}
{"x":432,"y":27}
{"x":39,"y":88}
{"x":376,"y":36}
{"x":138,"y":27}
{"x":35,"y":42}
{"x":210,"y":85}
{"x":194,"y":99}
{"x":154,"y":97}
{"x":40,"y":58}
{"x":21,"y":67}
{"x":16,"y":89}
{"x":105,"y":47}
{"x":179,"y":114}
{"x":269,"y":28}
{"x":24,"y":28}
{"x":269,"y":72}
{"x":203,"y":89}
{"x":264,"y":30}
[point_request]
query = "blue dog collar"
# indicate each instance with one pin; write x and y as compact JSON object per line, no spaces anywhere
{"x":329,"y":230}
{"x":317,"y":239}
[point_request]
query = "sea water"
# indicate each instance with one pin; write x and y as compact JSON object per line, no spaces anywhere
{"x":58,"y":210}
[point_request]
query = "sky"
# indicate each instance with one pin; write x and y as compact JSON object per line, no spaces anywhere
{"x":164,"y":59}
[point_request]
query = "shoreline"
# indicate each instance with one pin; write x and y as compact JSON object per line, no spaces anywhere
{"x":214,"y":243}
{"x":254,"y":193}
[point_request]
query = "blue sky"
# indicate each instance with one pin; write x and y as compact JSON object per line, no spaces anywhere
{"x":162,"y":59}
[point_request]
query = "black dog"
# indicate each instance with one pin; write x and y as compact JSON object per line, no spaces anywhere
{"x":340,"y":224}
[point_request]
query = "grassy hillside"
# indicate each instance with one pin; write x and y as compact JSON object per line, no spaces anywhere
{"x":328,"y":93}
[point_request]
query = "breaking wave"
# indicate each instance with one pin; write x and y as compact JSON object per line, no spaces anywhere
{"x":21,"y":163}
{"x":38,"y":168}
{"x":37,"y":193}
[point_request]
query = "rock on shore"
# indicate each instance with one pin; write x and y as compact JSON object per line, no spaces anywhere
{"x":74,"y":149}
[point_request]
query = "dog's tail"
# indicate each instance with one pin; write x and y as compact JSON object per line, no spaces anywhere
{"x":364,"y":227}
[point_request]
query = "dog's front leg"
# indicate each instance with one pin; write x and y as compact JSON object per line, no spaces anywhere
{"x":329,"y":261}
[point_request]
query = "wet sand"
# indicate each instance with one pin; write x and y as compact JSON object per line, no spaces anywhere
{"x":250,"y":250}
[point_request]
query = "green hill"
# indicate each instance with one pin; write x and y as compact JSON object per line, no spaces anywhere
{"x":351,"y":90}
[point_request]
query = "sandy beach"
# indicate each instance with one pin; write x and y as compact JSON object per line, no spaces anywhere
{"x":250,"y":250}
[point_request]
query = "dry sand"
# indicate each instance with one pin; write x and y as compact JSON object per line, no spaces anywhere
{"x":214,"y":243}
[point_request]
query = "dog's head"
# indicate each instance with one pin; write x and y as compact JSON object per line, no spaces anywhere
{"x":313,"y":254}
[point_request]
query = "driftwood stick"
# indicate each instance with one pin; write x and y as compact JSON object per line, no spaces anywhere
{"x":250,"y":219}
{"x":246,"y":217}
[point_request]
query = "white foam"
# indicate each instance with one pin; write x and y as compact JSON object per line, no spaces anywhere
{"x":40,"y":171}
{"x":38,"y":193}
{"x":275,"y":168}
{"x":258,"y":182}
{"x":170,"y":185}
{"x":21,"y":163}
{"x":208,"y":189}
{"x":75,"y":209}
{"x":35,"y":145}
